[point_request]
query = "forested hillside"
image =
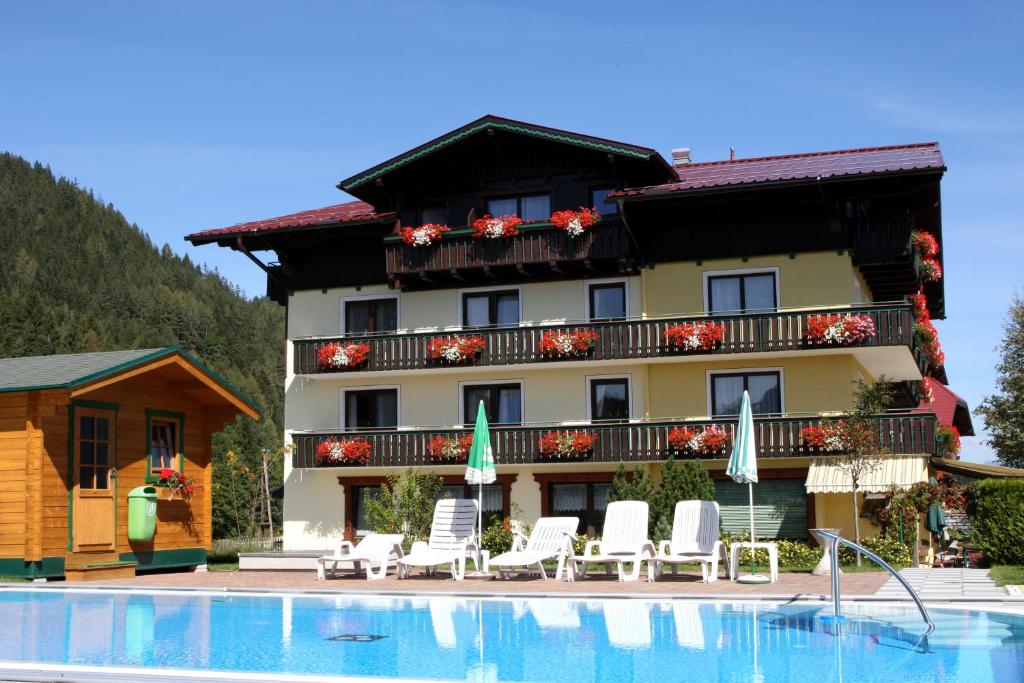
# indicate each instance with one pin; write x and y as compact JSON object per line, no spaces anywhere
{"x":76,"y":276}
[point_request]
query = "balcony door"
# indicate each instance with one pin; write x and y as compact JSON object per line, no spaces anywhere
{"x":94,"y":479}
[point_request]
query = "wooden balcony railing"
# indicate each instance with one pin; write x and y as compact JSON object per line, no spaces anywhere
{"x":617,"y":340}
{"x":776,"y":437}
{"x":535,"y":244}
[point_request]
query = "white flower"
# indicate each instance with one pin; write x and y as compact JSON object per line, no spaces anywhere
{"x":494,"y":229}
{"x":340,"y":358}
{"x":564,"y":344}
{"x":421,"y":237}
{"x":575,"y":228}
{"x":453,"y":353}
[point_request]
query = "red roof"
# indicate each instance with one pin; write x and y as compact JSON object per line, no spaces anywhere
{"x":349,"y":212}
{"x":835,"y":164}
{"x":945,"y":404}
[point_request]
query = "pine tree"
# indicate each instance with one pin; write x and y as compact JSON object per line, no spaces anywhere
{"x":687,"y":481}
{"x":1004,"y":411}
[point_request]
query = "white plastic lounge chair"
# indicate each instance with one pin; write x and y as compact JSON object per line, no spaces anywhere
{"x":374,"y":549}
{"x":689,"y":625}
{"x":628,"y":623}
{"x":442,"y":618}
{"x":551,"y":614}
{"x":694,"y":539}
{"x":452,"y":539}
{"x":624,"y":540}
{"x":551,"y":539}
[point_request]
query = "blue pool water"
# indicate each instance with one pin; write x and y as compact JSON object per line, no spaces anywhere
{"x":546,"y":639}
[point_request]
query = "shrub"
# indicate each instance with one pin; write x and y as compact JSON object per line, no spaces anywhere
{"x":497,"y":538}
{"x":792,"y":554}
{"x":640,"y":487}
{"x":996,"y":511}
{"x":889,"y":549}
{"x":404,"y":505}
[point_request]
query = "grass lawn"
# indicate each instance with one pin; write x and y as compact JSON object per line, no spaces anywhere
{"x":13,"y":579}
{"x":1007,"y":574}
{"x":222,"y":566}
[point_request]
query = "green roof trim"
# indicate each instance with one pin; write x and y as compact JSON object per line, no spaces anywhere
{"x":490,"y":122}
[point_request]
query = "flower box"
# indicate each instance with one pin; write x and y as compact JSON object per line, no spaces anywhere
{"x":344,"y":451}
{"x":450,"y":448}
{"x":566,"y":445}
{"x":575,"y":223}
{"x":423,"y":236}
{"x":839,"y":329}
{"x":697,"y":441}
{"x":828,"y":437}
{"x":496,"y":227}
{"x":340,"y":356}
{"x":694,"y":336}
{"x":557,"y":344}
{"x":455,"y":350}
{"x":177,"y":484}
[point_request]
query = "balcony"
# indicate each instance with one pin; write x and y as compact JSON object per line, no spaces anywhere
{"x":632,"y":339}
{"x":538,"y":250}
{"x":633,"y":442}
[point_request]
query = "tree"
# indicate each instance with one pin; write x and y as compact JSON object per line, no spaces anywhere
{"x":634,"y":486}
{"x":1003,"y":411}
{"x":861,"y":452}
{"x":688,"y":480}
{"x":404,"y":504}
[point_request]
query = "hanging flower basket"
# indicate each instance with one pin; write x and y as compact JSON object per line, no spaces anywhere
{"x":496,"y":228}
{"x":828,"y":437}
{"x":455,"y":350}
{"x":339,"y":356}
{"x":575,"y":344}
{"x":575,"y":223}
{"x":947,"y":441}
{"x":839,"y":329}
{"x":450,"y":448}
{"x":925,"y":243}
{"x":343,"y":451}
{"x":423,"y":236}
{"x":566,"y":445}
{"x":926,"y":334}
{"x":177,"y":484}
{"x":930,"y":270}
{"x":924,"y":391}
{"x":697,"y":441}
{"x":695,"y":336}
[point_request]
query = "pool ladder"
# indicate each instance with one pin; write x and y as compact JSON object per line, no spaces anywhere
{"x":835,"y":540}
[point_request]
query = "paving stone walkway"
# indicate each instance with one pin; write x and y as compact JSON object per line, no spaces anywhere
{"x":942,"y":583}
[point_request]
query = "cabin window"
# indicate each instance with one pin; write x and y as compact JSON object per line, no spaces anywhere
{"x":765,"y":390}
{"x":371,"y":408}
{"x":436,"y":214}
{"x":166,"y":436}
{"x":597,"y":198}
{"x":607,"y":300}
{"x":95,"y":446}
{"x":586,"y":500}
{"x":503,"y":403}
{"x":533,"y":207}
{"x":609,"y":399}
{"x":493,"y":503}
{"x":371,"y":315}
{"x":481,"y":309}
{"x":742,"y":293}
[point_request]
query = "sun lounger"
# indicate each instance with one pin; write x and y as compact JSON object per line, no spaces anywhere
{"x":452,"y":540}
{"x":694,"y":539}
{"x":373,"y":549}
{"x":624,"y":540}
{"x":550,"y":539}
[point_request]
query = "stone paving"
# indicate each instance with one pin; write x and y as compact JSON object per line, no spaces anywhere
{"x":944,"y":583}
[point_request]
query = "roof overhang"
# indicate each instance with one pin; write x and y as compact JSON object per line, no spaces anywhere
{"x":976,"y":470}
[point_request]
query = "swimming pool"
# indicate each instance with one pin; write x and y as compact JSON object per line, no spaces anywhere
{"x":541,"y":639}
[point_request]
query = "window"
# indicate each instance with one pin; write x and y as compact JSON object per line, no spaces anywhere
{"x":503,"y":402}
{"x":166,"y":442}
{"x":609,"y":399}
{"x":741,"y":293}
{"x":436,"y":214}
{"x":360,"y":494}
{"x":493,"y":503}
{"x":371,"y":408}
{"x":95,"y":442}
{"x":371,"y":315}
{"x":588,"y":501}
{"x":607,"y":300}
{"x":597,"y":198}
{"x":765,"y":392}
{"x":534,"y":207}
{"x":480,"y":309}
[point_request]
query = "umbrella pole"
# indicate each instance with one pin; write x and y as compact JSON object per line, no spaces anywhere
{"x":753,"y":537}
{"x":480,"y":539}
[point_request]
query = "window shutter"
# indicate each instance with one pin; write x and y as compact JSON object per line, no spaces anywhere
{"x":780,"y":508}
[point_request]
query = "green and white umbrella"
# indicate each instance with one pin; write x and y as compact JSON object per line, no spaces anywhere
{"x":743,"y":470}
{"x":480,"y":467}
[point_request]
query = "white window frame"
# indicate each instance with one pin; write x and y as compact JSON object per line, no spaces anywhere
{"x":709,"y":374}
{"x":624,"y":281}
{"x":366,"y":297}
{"x":477,"y":290}
{"x":479,"y":382}
{"x":629,"y":393}
{"x":370,"y":387}
{"x":708,"y":274}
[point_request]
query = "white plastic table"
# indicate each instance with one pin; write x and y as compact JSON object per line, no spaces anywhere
{"x":773,"y":558}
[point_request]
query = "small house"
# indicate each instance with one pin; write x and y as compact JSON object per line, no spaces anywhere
{"x":79,"y":433}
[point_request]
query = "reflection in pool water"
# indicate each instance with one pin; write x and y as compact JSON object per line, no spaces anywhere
{"x":544,"y":639}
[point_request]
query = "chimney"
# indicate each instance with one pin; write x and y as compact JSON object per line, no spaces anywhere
{"x":681,"y":156}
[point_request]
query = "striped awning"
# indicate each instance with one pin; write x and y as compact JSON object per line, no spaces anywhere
{"x":902,"y":471}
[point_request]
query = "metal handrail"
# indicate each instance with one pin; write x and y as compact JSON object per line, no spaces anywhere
{"x":836,"y":539}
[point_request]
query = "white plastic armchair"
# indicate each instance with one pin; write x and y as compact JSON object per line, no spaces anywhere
{"x":624,"y":540}
{"x":694,"y":539}
{"x":379,"y":549}
{"x":452,"y":540}
{"x":550,"y":539}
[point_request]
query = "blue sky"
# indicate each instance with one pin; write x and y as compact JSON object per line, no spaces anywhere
{"x":190,"y":115}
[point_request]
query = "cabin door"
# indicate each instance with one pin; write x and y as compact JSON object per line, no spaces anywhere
{"x":95,"y":479}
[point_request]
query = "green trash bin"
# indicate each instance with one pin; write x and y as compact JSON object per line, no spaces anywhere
{"x":142,"y":513}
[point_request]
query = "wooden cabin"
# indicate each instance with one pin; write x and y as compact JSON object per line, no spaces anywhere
{"x":78,"y":432}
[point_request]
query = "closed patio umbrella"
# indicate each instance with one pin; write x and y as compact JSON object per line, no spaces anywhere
{"x":743,"y":470}
{"x":480,"y":470}
{"x":936,"y":520}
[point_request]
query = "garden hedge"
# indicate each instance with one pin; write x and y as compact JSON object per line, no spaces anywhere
{"x":996,"y":510}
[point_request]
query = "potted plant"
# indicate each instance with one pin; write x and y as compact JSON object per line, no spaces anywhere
{"x":177,"y":484}
{"x":566,"y":445}
{"x":567,"y":344}
{"x":450,"y":448}
{"x":698,"y":441}
{"x":694,"y":336}
{"x":341,"y":356}
{"x":575,"y":223}
{"x":455,"y":350}
{"x":839,"y":329}
{"x":423,"y":236}
{"x":496,"y":227}
{"x":334,"y":451}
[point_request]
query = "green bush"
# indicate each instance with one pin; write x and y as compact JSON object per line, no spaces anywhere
{"x":996,"y":511}
{"x":404,"y":505}
{"x":792,"y":554}
{"x":889,"y":549}
{"x":497,"y":538}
